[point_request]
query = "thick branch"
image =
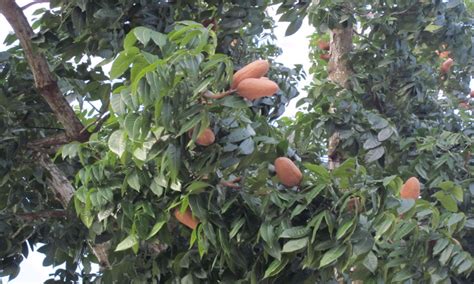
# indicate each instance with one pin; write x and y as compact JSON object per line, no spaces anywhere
{"x":339,"y":72}
{"x":64,"y":191}
{"x":44,"y":79}
{"x":56,"y":180}
{"x":339,"y":67}
{"x":54,"y":140}
{"x":32,"y":216}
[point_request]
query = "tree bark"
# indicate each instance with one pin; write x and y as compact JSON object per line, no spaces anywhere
{"x":45,"y":81}
{"x":339,"y":72}
{"x":64,"y":191}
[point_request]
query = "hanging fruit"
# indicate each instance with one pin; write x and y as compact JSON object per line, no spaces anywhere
{"x":446,"y":65}
{"x":206,"y":138}
{"x":256,"y":69}
{"x":324,"y":45}
{"x":253,"y":89}
{"x":410,"y":189}
{"x":186,"y":218}
{"x":287,"y":172}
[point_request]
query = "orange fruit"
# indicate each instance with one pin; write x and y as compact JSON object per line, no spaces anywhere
{"x":186,"y":218}
{"x":410,"y":189}
{"x":287,"y":172}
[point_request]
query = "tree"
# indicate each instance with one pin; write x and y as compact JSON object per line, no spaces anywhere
{"x":121,"y":179}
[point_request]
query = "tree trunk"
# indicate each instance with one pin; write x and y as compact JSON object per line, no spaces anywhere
{"x":48,"y":88}
{"x":45,"y":81}
{"x":339,"y":72}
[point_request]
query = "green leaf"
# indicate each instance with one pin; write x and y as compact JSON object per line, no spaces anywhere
{"x":332,"y":255}
{"x":236,"y":227}
{"x":404,"y":230}
{"x":371,"y":143}
{"x":447,"y":201}
{"x":384,"y":134}
{"x":371,"y":262}
{"x":341,"y":231}
{"x":384,"y":225}
{"x":446,"y":254}
{"x":319,"y":170}
{"x":134,"y":181}
{"x":455,"y":218}
{"x":405,"y":205}
{"x":458,"y":193}
{"x":117,"y":142}
{"x":156,"y":228}
{"x":123,"y":62}
{"x":157,"y":185}
{"x":247,"y":147}
{"x":143,"y":34}
{"x":127,"y":243}
{"x":374,"y":154}
{"x":266,"y":232}
{"x":315,"y":223}
{"x":197,"y":186}
{"x":275,"y":267}
{"x":129,"y":41}
{"x":294,"y":245}
{"x":294,"y":26}
{"x":432,"y":28}
{"x":402,"y":276}
{"x":439,"y":246}
{"x":295,"y":232}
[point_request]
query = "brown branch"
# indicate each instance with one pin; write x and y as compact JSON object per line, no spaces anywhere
{"x":64,"y":191}
{"x":57,"y":181}
{"x":340,"y":71}
{"x":98,"y":123}
{"x":232,"y":183}
{"x":31,"y":216}
{"x":54,"y":140}
{"x":45,"y":81}
{"x":210,"y":95}
{"x":101,"y":252}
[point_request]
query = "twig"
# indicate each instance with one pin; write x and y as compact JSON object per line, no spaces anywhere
{"x":31,"y":216}
{"x":232,"y":183}
{"x":210,"y":95}
{"x":98,"y":122}
{"x":43,"y":127}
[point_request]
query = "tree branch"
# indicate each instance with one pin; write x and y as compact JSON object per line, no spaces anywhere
{"x":44,"y":79}
{"x":54,"y":140}
{"x":31,"y":216}
{"x":340,"y":72}
{"x":64,"y":191}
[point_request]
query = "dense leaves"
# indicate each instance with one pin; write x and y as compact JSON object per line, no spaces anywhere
{"x":398,"y":118}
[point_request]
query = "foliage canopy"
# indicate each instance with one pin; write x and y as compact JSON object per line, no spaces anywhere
{"x":396,"y":116}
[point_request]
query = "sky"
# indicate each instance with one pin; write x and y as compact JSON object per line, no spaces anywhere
{"x":295,"y":51}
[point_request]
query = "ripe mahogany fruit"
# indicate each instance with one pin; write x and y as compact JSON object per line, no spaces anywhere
{"x":256,"y":69}
{"x":206,"y":138}
{"x":410,"y":189}
{"x":253,"y":88}
{"x":325,"y":56}
{"x":287,"y":172}
{"x":186,"y":218}
{"x":324,"y":45}
{"x":446,"y":65}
